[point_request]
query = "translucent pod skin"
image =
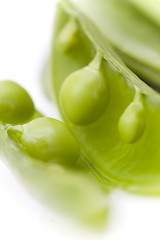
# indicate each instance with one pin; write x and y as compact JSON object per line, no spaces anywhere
{"x":74,"y":192}
{"x":16,"y":105}
{"x":47,"y":139}
{"x":133,"y":34}
{"x":43,"y":152}
{"x":83,"y":96}
{"x":122,"y":148}
{"x":150,"y":8}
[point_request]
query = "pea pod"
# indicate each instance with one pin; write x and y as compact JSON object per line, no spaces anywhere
{"x":134,"y":36}
{"x":122,"y":142}
{"x":150,"y":8}
{"x":47,"y":158}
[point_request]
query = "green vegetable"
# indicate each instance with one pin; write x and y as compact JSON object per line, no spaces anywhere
{"x":122,"y":143}
{"x":132,"y":122}
{"x":133,"y":35}
{"x":83,"y":95}
{"x":110,"y":135}
{"x":74,"y":192}
{"x":47,"y":158}
{"x":16,"y":106}
{"x":150,"y":8}
{"x":47,"y":139}
{"x":69,"y":37}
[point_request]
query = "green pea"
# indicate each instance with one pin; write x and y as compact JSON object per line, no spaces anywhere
{"x":131,"y":124}
{"x":134,"y":167}
{"x":68,"y":36}
{"x":83,"y":96}
{"x":47,"y":139}
{"x":16,"y":105}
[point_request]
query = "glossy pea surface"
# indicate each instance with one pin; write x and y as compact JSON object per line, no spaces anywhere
{"x":84,"y":96}
{"x":16,"y":105}
{"x":73,"y":191}
{"x":132,"y":124}
{"x":49,"y":140}
{"x":104,"y":143}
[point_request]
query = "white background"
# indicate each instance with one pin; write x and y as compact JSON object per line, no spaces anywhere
{"x":25,"y":37}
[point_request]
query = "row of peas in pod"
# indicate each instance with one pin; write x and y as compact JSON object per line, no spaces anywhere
{"x":113,"y":113}
{"x":47,"y":157}
{"x":109,"y":137}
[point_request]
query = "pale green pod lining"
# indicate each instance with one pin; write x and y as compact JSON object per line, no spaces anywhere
{"x":132,"y":34}
{"x":134,"y":167}
{"x":151,"y":8}
{"x":73,"y":192}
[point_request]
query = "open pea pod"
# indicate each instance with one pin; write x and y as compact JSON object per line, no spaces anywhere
{"x":46,"y":156}
{"x":132,"y":34}
{"x":150,"y":8}
{"x":113,"y":114}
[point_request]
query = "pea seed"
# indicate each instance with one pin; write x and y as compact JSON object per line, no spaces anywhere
{"x":16,"y":106}
{"x":131,"y":125}
{"x":84,"y":96}
{"x":68,"y":36}
{"x":134,"y":167}
{"x":47,"y":139}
